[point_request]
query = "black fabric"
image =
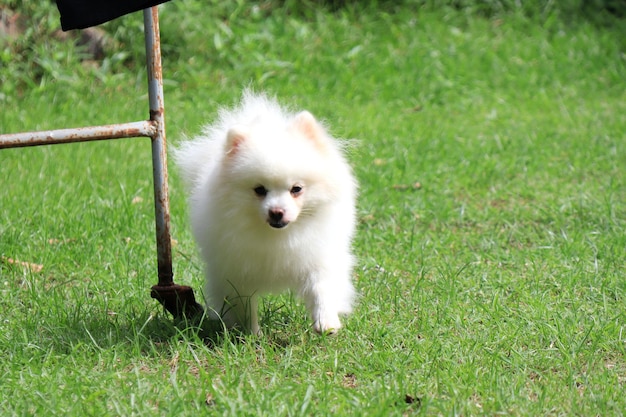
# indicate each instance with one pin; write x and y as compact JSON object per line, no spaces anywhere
{"x":80,"y":14}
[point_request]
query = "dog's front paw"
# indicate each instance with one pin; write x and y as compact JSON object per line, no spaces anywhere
{"x":329,"y":324}
{"x":255,"y":329}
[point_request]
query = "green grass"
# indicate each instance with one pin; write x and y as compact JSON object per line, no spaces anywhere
{"x":496,"y":285}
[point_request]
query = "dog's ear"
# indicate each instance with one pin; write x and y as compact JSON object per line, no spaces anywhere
{"x":234,"y":138}
{"x":306,"y":124}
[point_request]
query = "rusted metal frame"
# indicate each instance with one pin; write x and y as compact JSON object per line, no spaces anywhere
{"x":179,"y":300}
{"x":146,"y":128}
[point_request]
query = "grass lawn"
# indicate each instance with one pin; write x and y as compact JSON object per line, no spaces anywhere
{"x":492,"y":218}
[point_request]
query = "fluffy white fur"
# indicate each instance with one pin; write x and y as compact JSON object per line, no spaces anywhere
{"x":272,"y":205}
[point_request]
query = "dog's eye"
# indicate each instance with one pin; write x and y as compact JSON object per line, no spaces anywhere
{"x":260,"y":191}
{"x":296,"y":190}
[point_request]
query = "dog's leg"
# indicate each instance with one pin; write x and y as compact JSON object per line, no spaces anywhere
{"x":235,"y":310}
{"x":241,"y":312}
{"x":326,"y":300}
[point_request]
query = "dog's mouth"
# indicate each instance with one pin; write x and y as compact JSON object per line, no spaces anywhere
{"x":278,"y":224}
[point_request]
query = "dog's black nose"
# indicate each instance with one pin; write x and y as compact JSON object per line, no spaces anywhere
{"x":275,"y":218}
{"x":276,"y":215}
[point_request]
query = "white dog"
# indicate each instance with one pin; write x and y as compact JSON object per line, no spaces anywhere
{"x":272,"y":204}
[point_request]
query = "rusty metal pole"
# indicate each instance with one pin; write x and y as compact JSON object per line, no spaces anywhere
{"x":144,"y":128}
{"x":159,"y":152}
{"x":177,"y":299}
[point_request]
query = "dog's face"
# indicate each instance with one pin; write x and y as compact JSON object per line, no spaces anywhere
{"x":271,"y":190}
{"x":280,"y":173}
{"x":280,"y":205}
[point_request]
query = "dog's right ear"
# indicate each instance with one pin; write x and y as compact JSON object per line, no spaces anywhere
{"x":308,"y":125}
{"x":234,"y":138}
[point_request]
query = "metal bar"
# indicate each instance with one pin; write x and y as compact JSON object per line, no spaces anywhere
{"x":145,"y":128}
{"x":177,"y":299}
{"x":159,"y":151}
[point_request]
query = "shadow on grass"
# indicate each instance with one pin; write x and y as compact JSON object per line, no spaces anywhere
{"x":144,"y":332}
{"x":62,"y":317}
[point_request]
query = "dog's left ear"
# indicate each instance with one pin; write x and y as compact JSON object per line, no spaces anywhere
{"x":234,"y":138}
{"x":306,"y":123}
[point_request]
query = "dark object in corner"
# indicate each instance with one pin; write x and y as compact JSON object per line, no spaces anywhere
{"x":80,"y":14}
